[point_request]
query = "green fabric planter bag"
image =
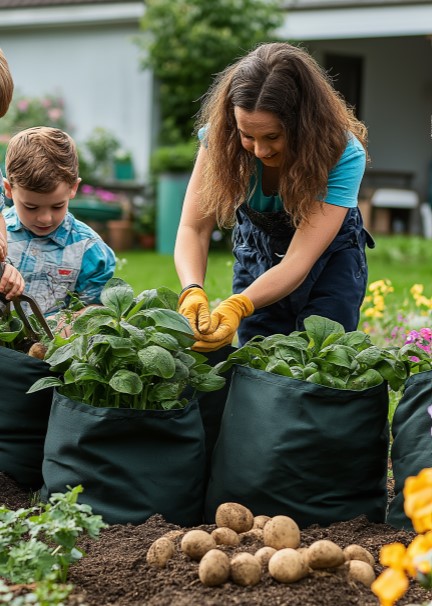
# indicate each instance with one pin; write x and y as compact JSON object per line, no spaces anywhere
{"x":314,"y":453}
{"x":131,"y":463}
{"x":23,"y":417}
{"x":412,"y":443}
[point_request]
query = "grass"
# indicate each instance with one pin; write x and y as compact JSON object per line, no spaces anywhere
{"x":405,"y":260}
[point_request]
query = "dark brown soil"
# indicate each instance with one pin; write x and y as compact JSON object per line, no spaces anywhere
{"x":115,"y":572}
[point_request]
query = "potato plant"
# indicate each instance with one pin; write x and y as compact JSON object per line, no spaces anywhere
{"x":327,"y":355}
{"x":130,"y":352}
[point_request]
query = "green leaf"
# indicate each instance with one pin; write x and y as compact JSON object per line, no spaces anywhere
{"x":80,"y":371}
{"x":118,"y":296}
{"x":126,"y":381}
{"x":157,"y":361}
{"x":370,"y":378}
{"x":279,"y":367}
{"x":326,"y":379}
{"x":90,"y":321}
{"x":319,"y":329}
{"x":44,"y":383}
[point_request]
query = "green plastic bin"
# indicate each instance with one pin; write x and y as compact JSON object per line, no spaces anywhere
{"x":170,"y":195}
{"x":89,"y":209}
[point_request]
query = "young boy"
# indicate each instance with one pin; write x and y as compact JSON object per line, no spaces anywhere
{"x":11,"y":281}
{"x":56,"y":253}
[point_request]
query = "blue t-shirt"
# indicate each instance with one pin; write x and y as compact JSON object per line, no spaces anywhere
{"x":342,"y":187}
{"x":343,"y":182}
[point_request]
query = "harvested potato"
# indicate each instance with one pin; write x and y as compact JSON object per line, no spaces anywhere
{"x":225,"y":536}
{"x":38,"y":350}
{"x":324,"y":554}
{"x":281,"y":532}
{"x":254,"y":533}
{"x":361,"y":571}
{"x":214,"y":568}
{"x":260,"y":521}
{"x":264,"y":554}
{"x":173,"y":534}
{"x":357,"y":552}
{"x":234,"y":516}
{"x":287,"y":566}
{"x":160,"y":552}
{"x":245,"y":569}
{"x":196,"y":543}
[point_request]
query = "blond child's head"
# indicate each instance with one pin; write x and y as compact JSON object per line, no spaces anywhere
{"x":42,"y":176}
{"x":6,"y":85}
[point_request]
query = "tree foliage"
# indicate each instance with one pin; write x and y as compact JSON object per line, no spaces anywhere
{"x":186,"y":42}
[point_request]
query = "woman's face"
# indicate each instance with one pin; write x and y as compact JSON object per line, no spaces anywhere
{"x":261,"y":134}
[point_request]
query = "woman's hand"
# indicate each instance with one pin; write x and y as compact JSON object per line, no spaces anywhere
{"x":225,"y":320}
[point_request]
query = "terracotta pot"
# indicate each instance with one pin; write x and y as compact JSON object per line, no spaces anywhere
{"x":147,"y":241}
{"x":120,"y":234}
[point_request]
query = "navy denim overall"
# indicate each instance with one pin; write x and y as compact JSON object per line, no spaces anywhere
{"x":334,"y":288}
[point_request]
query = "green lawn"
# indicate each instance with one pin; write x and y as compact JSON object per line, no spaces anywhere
{"x":405,"y":260}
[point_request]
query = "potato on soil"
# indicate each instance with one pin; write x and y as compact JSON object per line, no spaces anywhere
{"x":287,"y":566}
{"x":225,"y":536}
{"x":357,"y":552}
{"x":245,"y":569}
{"x":160,"y":552}
{"x":196,"y":543}
{"x":256,"y":534}
{"x":38,"y":350}
{"x":361,"y":571}
{"x":173,"y":534}
{"x":324,"y":554}
{"x":264,"y":554}
{"x":234,"y":516}
{"x":260,"y":521}
{"x":281,"y":532}
{"x":214,"y":568}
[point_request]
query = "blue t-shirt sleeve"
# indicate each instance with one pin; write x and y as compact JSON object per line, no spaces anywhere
{"x":98,"y":267}
{"x":345,"y":178}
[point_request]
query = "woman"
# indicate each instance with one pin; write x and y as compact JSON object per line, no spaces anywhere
{"x":283,"y":157}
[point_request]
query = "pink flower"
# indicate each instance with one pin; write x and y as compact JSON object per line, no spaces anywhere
{"x":55,"y":113}
{"x":23,"y":105}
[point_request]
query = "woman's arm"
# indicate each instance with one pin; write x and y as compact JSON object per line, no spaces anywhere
{"x":194,"y":232}
{"x":309,"y":242}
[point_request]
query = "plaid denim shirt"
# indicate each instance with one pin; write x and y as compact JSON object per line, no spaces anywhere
{"x":72,"y":259}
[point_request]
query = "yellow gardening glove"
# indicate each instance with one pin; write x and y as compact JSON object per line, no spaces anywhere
{"x":194,"y":306}
{"x":225,"y":321}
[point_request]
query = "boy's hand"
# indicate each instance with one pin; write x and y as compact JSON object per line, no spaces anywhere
{"x":11,"y":282}
{"x":3,"y":247}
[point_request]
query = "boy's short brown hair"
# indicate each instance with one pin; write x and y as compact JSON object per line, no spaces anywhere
{"x":40,"y":158}
{"x":6,"y":85}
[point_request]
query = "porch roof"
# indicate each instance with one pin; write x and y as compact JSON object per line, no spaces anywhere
{"x":343,"y":19}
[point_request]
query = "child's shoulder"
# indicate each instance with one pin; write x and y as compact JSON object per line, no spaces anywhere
{"x":79,"y":229}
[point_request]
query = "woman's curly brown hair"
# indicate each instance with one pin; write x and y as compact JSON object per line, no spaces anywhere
{"x":6,"y":85}
{"x":286,"y":81}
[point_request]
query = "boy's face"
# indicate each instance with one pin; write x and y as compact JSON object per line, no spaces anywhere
{"x":41,"y":213}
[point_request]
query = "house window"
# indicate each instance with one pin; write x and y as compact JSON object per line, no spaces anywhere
{"x":347,"y":74}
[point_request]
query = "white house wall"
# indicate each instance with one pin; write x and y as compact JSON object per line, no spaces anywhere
{"x":96,"y":70}
{"x":397,"y":100}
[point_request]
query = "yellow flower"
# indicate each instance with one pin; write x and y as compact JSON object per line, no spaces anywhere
{"x":416,"y":289}
{"x":393,"y":555}
{"x":418,"y":500}
{"x":417,"y":548}
{"x":390,"y":586}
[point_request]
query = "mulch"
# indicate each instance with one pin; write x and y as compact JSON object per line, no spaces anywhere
{"x":115,"y":572}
